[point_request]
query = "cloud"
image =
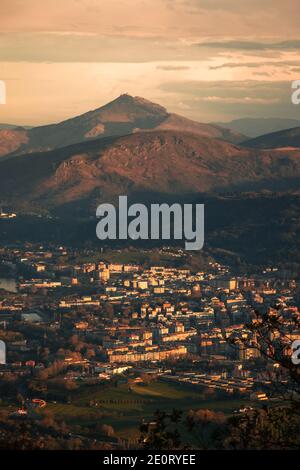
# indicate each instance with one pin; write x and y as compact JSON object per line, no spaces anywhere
{"x":243,"y":100}
{"x":206,"y":100}
{"x":227,"y":87}
{"x":293,"y":44}
{"x":170,"y":68}
{"x":193,"y":55}
{"x":154,"y":18}
{"x":274,"y":63}
{"x":88,"y":47}
{"x":263,"y":74}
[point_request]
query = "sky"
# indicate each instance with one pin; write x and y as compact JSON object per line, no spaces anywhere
{"x":209,"y":60}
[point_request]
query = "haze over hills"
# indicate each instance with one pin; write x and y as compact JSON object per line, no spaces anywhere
{"x":282,"y":139}
{"x":168,"y":162}
{"x":122,"y":116}
{"x":11,"y":140}
{"x":8,"y":126}
{"x":12,"y":137}
{"x":254,"y":127}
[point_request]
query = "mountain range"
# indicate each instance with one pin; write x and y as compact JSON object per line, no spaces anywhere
{"x":168,"y":162}
{"x":289,"y":138}
{"x":122,"y":116}
{"x":132,"y":146}
{"x":255,"y":127}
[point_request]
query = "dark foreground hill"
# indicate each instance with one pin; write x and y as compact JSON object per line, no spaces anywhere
{"x":168,"y":162}
{"x":240,"y":230}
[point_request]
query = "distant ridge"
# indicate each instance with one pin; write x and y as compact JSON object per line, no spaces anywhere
{"x":255,"y":127}
{"x":124,"y":115}
{"x":283,"y":139}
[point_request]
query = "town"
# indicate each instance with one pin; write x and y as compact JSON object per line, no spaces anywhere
{"x":72,"y":321}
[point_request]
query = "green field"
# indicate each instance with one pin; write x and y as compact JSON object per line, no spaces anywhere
{"x":124,"y":409}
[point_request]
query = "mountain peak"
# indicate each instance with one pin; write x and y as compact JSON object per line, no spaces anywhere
{"x":124,"y":115}
{"x":134,"y":103}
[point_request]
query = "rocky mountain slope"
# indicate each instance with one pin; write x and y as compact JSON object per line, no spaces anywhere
{"x":122,"y":116}
{"x":168,"y":162}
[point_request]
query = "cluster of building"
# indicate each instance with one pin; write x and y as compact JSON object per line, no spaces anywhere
{"x":140,"y":317}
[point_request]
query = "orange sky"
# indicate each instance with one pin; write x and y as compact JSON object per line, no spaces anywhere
{"x":206,"y":59}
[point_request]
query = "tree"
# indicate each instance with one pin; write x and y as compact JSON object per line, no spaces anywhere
{"x":162,"y":433}
{"x":272,"y":335}
{"x":268,"y":428}
{"x":107,"y":430}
